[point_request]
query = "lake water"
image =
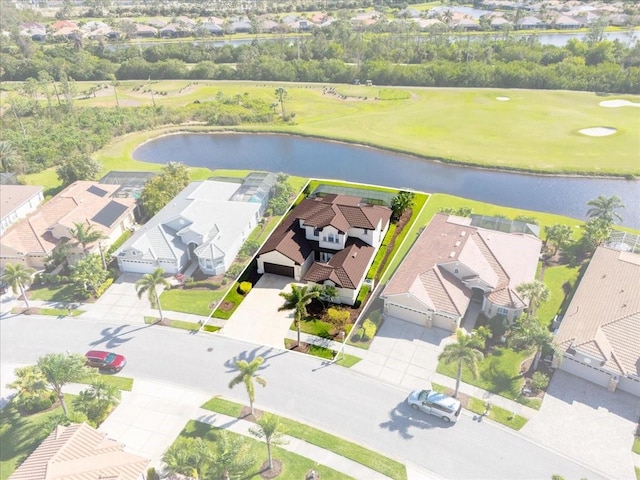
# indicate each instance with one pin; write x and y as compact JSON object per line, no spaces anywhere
{"x":308,"y":157}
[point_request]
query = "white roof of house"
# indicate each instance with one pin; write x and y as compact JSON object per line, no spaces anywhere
{"x":203,"y":208}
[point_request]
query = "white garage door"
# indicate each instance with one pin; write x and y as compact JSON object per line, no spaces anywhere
{"x":134,"y":267}
{"x":585,"y":371}
{"x":630,"y":385}
{"x":408,"y":314}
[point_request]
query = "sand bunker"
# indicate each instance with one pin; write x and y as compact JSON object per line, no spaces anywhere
{"x":503,"y":99}
{"x":598,"y":131}
{"x":618,"y":103}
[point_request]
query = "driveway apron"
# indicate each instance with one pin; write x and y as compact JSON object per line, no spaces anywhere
{"x":257,"y":319}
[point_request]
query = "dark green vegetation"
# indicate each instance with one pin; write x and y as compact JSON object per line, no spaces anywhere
{"x":341,"y":54}
{"x":352,"y":451}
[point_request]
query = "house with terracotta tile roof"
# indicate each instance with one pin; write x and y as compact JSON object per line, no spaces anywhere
{"x":79,"y":452}
{"x":30,"y":240}
{"x":327,"y":240}
{"x":599,"y":336}
{"x":16,"y":202}
{"x":454,"y":265}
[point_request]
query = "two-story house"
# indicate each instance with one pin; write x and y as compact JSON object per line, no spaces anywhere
{"x":453,"y":264}
{"x":329,"y":240}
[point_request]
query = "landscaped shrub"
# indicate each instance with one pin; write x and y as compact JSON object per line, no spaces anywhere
{"x":204,"y":284}
{"x":357,"y":336}
{"x":364,"y":291}
{"x":539,"y":381}
{"x":338,"y":316}
{"x":35,"y":404}
{"x":152,"y":474}
{"x":102,"y":288}
{"x":498,"y":326}
{"x":368,"y":330}
{"x":244,"y":288}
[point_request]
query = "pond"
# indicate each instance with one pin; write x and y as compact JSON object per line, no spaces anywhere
{"x":308,"y":157}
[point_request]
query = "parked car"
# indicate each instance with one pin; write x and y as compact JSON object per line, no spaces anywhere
{"x":435,"y":403}
{"x":110,"y":361}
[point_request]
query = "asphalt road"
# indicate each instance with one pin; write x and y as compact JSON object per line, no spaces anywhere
{"x":330,"y":397}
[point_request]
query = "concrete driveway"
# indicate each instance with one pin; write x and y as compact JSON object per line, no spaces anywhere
{"x":257,"y":319}
{"x":120,"y":303}
{"x":588,"y":423}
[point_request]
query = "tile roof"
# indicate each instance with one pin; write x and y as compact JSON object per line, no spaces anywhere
{"x":79,"y":452}
{"x":79,"y":202}
{"x":339,"y":211}
{"x":502,"y":260}
{"x":346,"y":267}
{"x":14,"y":196}
{"x":203,"y":208}
{"x":603,"y":318}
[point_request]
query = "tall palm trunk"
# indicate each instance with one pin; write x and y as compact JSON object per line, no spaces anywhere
{"x":24,"y":295}
{"x":158,"y":303}
{"x":458,"y":378}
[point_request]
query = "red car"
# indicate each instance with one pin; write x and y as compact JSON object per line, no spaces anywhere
{"x":110,"y":361}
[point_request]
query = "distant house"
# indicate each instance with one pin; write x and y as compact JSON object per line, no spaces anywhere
{"x":530,"y":23}
{"x":17,"y":202}
{"x":78,"y":451}
{"x":453,"y":265}
{"x":565,"y":22}
{"x":498,"y":23}
{"x":33,"y":30}
{"x":269,"y":26}
{"x":207,"y":222}
{"x":241,"y":26}
{"x":213,"y":28}
{"x":599,"y":336}
{"x":31,"y":239}
{"x":145,"y":31}
{"x":466,"y":24}
{"x":329,"y":240}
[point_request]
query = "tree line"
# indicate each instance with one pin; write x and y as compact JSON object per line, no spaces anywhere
{"x":342,"y":54}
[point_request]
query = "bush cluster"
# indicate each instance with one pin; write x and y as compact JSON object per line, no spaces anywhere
{"x":244,"y":288}
{"x":338,"y":316}
{"x":103,"y":288}
{"x":204,"y":284}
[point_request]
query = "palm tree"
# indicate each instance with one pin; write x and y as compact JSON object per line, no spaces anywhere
{"x":187,"y":456}
{"x":247,"y":374}
{"x":267,"y":428}
{"x":597,"y":231}
{"x":84,"y":234}
{"x":17,"y":276}
{"x":528,"y":333}
{"x":148,"y":283}
{"x":29,"y":383}
{"x":60,"y":369}
{"x":536,"y":292}
{"x":10,"y":159}
{"x":297,"y":300}
{"x":463,"y":352}
{"x":605,"y":208}
{"x":97,"y":401}
{"x":401,"y":202}
{"x":281,"y":95}
{"x":558,"y":235}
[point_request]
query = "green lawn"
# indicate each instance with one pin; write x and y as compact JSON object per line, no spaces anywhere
{"x":636,"y":445}
{"x":497,"y":414}
{"x":61,"y":293}
{"x":234,"y":297}
{"x":21,"y":435}
{"x":121,"y":383}
{"x":190,"y":300}
{"x":558,"y":279}
{"x":174,"y":323}
{"x":353,"y":451}
{"x":428,"y":124}
{"x":499,"y":373}
{"x":294,"y":466}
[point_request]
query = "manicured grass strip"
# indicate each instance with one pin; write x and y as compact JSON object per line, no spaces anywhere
{"x":352,"y":451}
{"x":345,"y":360}
{"x":497,"y":414}
{"x":234,"y":297}
{"x":210,"y":328}
{"x":174,"y":323}
{"x":294,"y":466}
{"x":560,"y":280}
{"x":121,"y":383}
{"x":636,"y":445}
{"x":637,"y":473}
{"x":60,"y":293}
{"x":55,"y":312}
{"x":194,"y":301}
